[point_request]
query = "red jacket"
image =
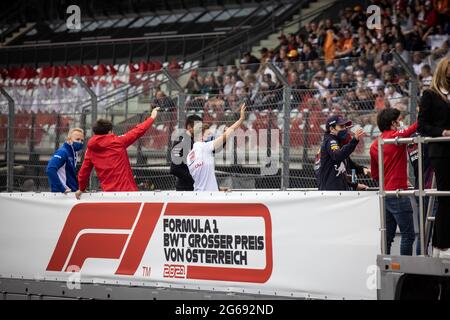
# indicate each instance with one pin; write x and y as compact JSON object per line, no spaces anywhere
{"x":108,"y":155}
{"x":395,"y":160}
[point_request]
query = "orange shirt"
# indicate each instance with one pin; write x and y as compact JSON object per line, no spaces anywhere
{"x":329,"y":47}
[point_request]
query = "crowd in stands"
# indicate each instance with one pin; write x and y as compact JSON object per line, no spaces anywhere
{"x":334,"y":66}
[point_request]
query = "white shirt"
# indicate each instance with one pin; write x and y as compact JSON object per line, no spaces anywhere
{"x":373,"y":85}
{"x":437,"y":40}
{"x":418,"y":67}
{"x":202,"y":167}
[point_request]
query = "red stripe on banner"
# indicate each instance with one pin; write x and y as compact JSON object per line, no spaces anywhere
{"x":228,"y":210}
{"x":140,"y":239}
{"x":95,"y":245}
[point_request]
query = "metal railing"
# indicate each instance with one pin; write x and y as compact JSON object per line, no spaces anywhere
{"x":424,"y":221}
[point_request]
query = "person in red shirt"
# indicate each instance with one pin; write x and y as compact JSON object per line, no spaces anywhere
{"x":107,"y":153}
{"x":398,"y":210}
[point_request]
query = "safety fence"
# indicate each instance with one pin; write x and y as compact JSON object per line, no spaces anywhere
{"x":287,"y":106}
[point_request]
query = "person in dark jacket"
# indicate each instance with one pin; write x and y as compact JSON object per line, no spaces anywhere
{"x":62,"y":167}
{"x":335,"y":157}
{"x":179,"y":152}
{"x":428,"y":173}
{"x":359,"y":169}
{"x":434,"y":121}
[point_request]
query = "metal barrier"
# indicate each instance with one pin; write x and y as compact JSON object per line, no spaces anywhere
{"x":424,"y":223}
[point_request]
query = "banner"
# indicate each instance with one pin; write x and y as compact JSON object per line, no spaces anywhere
{"x":296,"y":244}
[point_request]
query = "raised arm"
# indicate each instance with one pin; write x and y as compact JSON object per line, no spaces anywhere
{"x":218,"y":143}
{"x":131,"y":136}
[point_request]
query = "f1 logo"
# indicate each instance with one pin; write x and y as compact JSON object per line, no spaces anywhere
{"x":118,"y":230}
{"x":123,"y":231}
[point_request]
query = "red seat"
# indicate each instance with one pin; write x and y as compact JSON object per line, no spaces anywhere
{"x":112,"y":70}
{"x":101,"y":70}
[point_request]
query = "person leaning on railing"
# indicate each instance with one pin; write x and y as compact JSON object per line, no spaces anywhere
{"x":434,"y":121}
{"x":398,"y":210}
{"x":62,"y":167}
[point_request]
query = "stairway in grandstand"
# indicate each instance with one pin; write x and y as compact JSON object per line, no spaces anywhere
{"x":296,"y":23}
{"x":21,"y":31}
{"x":305,"y":16}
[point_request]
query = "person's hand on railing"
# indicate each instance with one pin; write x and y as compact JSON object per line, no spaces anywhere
{"x":67,"y":191}
{"x":361,"y":187}
{"x":78,"y":194}
{"x":367,"y":172}
{"x":446,"y":133}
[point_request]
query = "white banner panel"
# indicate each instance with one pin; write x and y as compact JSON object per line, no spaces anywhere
{"x":301,"y":244}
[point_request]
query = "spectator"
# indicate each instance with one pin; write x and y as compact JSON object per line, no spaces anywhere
{"x":193,"y":85}
{"x":426,"y":76}
{"x":329,"y":47}
{"x":267,"y":78}
{"x":345,"y":45}
{"x":398,"y":209}
{"x":308,"y":53}
{"x":436,"y":55}
{"x":210,"y":86}
{"x":107,"y":154}
{"x":373,"y":83}
{"x":392,"y":95}
{"x":417,"y":62}
{"x":435,"y":37}
{"x":250,"y":62}
{"x":201,"y":157}
{"x":62,"y":167}
{"x":399,"y":48}
{"x":358,"y":18}
{"x":380,"y":100}
{"x":228,"y":84}
{"x":180,"y":150}
{"x":334,"y":156}
{"x":434,"y":121}
{"x":220,"y":74}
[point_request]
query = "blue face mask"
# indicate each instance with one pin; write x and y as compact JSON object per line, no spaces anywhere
{"x":77,"y":146}
{"x":342,"y":134}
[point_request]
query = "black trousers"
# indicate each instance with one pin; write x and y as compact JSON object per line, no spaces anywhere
{"x":441,"y":232}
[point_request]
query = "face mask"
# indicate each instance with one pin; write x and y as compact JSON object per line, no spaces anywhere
{"x":210,"y":138}
{"x":342,"y":134}
{"x":77,"y":146}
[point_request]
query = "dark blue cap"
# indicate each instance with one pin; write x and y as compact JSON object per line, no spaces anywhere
{"x":337,"y":120}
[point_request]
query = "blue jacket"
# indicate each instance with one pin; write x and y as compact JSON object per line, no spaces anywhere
{"x":61,"y":169}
